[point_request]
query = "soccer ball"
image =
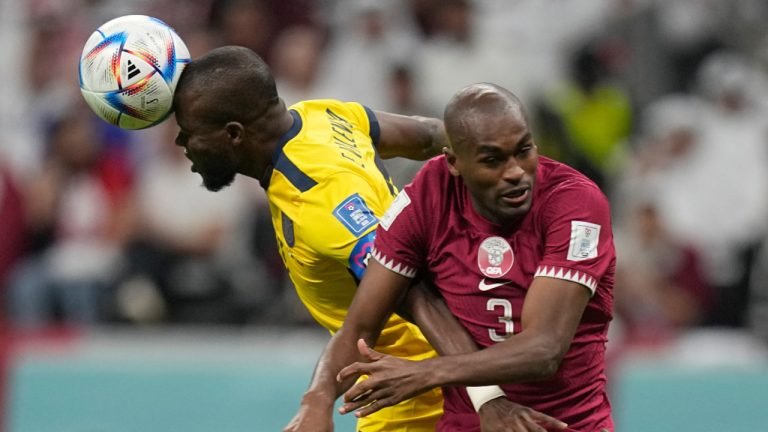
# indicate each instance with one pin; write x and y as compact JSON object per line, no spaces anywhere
{"x":129,"y":70}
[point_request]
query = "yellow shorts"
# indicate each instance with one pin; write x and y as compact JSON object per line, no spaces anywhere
{"x":419,"y":414}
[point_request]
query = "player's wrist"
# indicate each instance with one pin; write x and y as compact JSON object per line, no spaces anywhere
{"x":484,"y":394}
{"x":318,"y":399}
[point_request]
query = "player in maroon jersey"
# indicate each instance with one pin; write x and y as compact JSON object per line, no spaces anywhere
{"x":521,"y":250}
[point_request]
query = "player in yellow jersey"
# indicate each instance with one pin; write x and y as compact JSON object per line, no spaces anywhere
{"x":319,"y":162}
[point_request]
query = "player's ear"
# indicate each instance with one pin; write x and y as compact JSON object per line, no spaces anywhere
{"x":450,"y":157}
{"x":236,"y":132}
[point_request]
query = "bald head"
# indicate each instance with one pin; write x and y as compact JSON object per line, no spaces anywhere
{"x":232,"y":84}
{"x":470,"y":105}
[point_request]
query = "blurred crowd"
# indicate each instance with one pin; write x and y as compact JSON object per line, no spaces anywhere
{"x":664,"y":103}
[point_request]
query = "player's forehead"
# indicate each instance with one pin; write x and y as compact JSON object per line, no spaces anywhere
{"x":189,"y":109}
{"x":495,"y":132}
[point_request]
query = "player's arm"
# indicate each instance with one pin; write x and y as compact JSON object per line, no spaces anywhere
{"x":342,"y":229}
{"x":551,"y":314}
{"x":376,"y":298}
{"x":550,"y":317}
{"x":412,"y":137}
{"x":424,"y":306}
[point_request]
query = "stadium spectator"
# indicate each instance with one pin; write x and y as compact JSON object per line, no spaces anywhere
{"x":660,"y":284}
{"x":757,"y":310}
{"x":257,"y":24}
{"x":76,"y":211}
{"x":12,"y":230}
{"x":320,"y":166}
{"x":532,"y":234}
{"x":296,"y":62}
{"x":589,"y":118}
{"x":366,"y":42}
{"x":245,"y":22}
{"x":461,"y":50}
{"x":735,"y":201}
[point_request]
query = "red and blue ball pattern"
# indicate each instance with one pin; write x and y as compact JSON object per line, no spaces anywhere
{"x":129,"y":69}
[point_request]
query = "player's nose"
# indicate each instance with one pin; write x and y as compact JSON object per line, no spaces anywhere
{"x":513,"y":172}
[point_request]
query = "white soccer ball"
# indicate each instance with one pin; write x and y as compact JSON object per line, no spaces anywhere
{"x":129,"y":70}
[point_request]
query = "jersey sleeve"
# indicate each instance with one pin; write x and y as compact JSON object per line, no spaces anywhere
{"x":400,"y":241}
{"x":340,"y":216}
{"x":578,"y":239}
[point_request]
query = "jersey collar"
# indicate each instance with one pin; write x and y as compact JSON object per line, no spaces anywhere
{"x":291,"y":134}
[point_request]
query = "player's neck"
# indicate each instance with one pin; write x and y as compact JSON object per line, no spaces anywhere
{"x":267,"y":132}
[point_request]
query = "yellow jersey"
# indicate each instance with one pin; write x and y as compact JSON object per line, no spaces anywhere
{"x":327,"y":187}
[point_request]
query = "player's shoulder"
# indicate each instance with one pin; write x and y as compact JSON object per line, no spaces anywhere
{"x":434,"y":168}
{"x":328,"y":137}
{"x":329,"y":108}
{"x":564,"y":192}
{"x":556,"y":178}
{"x":310,"y":104}
{"x":433,"y":174}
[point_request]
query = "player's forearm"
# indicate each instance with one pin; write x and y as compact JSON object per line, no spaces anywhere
{"x":550,"y":317}
{"x":339,"y":352}
{"x":441,"y":328}
{"x":437,"y":137}
{"x":377,"y":296}
{"x":519,"y":359}
{"x":412,"y":137}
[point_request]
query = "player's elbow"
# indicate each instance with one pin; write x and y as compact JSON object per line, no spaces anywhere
{"x":547,"y":359}
{"x":350,"y":333}
{"x":435,"y":139}
{"x":548,"y":368}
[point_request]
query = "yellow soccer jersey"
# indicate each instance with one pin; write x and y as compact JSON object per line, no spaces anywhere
{"x":326,"y":189}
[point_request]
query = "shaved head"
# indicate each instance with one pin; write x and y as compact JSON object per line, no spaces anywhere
{"x":229,"y":115}
{"x":232,"y":83}
{"x":466,"y":109}
{"x":492,"y":150}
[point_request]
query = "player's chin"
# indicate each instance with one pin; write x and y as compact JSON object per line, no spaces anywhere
{"x":217,"y":182}
{"x":509,"y":212}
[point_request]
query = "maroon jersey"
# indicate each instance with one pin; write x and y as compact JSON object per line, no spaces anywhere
{"x":483,"y":271}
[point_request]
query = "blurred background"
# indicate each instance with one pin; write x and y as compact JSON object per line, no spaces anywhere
{"x":134,"y":300}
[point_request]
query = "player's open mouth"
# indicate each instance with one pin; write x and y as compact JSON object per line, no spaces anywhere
{"x":516,"y":197}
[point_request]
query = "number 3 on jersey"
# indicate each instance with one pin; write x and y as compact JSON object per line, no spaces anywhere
{"x":504,"y":306}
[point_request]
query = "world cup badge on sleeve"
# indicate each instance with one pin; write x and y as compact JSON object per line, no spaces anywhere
{"x":584,"y":240}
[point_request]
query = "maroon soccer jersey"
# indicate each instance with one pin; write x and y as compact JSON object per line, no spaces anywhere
{"x":483,"y":271}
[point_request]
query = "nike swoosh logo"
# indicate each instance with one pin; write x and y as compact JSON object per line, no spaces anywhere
{"x":485,"y":287}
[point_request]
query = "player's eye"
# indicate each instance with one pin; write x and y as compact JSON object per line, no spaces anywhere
{"x":525,"y":150}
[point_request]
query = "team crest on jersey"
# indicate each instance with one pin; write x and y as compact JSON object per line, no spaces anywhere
{"x":355,"y":215}
{"x":495,"y":257}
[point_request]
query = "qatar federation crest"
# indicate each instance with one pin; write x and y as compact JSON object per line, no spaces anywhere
{"x":495,"y":257}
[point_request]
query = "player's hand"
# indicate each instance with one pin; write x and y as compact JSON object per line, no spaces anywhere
{"x":311,"y":418}
{"x":503,"y":415}
{"x":391,"y":380}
